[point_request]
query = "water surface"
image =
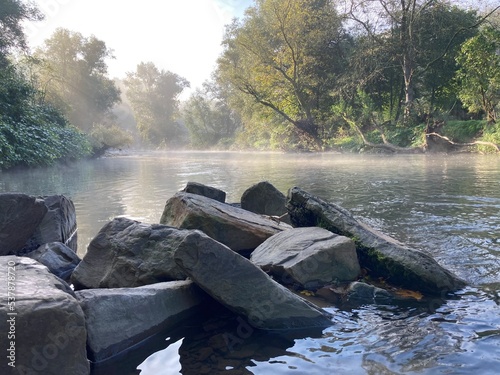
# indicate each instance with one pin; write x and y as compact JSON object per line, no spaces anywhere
{"x":447,"y":206}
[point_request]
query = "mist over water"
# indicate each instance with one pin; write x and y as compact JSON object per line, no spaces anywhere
{"x":445,"y":205}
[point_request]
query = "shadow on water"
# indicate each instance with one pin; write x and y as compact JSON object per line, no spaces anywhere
{"x":216,"y":342}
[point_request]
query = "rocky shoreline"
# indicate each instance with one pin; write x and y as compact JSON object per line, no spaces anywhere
{"x":260,"y":259}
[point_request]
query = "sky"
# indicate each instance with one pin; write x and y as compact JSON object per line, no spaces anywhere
{"x":181,"y":36}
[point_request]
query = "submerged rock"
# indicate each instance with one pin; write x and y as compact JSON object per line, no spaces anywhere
{"x":58,"y":258}
{"x":310,"y":257}
{"x":234,"y":227}
{"x":119,"y":318}
{"x":380,"y":254}
{"x":20,"y":215}
{"x":42,"y":325}
{"x":206,"y":191}
{"x":244,"y":288}
{"x":127,"y":253}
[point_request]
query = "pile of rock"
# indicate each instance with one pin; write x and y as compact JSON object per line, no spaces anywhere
{"x":139,"y":279}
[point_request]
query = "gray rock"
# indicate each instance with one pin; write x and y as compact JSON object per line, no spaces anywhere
{"x":58,"y":224}
{"x":20,"y":215}
{"x":244,"y":288}
{"x":126,"y":253}
{"x":311,"y":257}
{"x":264,"y":198}
{"x":47,"y":332}
{"x":57,"y":257}
{"x":120,"y":318}
{"x":379,"y":253}
{"x":365,"y":293}
{"x":206,"y":191}
{"x":234,"y":227}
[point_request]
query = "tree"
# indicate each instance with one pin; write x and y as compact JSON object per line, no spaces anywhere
{"x":12,"y":14}
{"x":285,"y":55}
{"x":479,"y":73}
{"x":410,"y":29}
{"x":72,"y":72}
{"x":153,"y":94}
{"x":209,"y":118}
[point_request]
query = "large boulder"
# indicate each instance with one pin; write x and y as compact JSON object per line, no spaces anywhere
{"x":20,"y":215}
{"x":244,"y":288}
{"x":206,"y":191}
{"x":234,"y":227}
{"x":126,"y":253}
{"x":42,"y":325}
{"x":58,"y":258}
{"x":263,"y":198}
{"x":380,"y":254}
{"x":58,"y":224}
{"x":119,"y":318}
{"x":310,"y":257}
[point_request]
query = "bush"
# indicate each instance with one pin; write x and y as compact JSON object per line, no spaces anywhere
{"x":104,"y":137}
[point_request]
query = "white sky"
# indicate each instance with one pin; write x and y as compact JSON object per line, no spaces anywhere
{"x":182,"y":36}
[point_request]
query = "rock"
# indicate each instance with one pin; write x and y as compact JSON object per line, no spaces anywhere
{"x":206,"y":191}
{"x":20,"y":215}
{"x":58,"y":225}
{"x":120,"y":318}
{"x":47,"y":334}
{"x":244,"y":288}
{"x":366,"y":293}
{"x":234,"y":227}
{"x":382,"y":255}
{"x":58,"y":258}
{"x":263,"y":198}
{"x":310,"y":257}
{"x":126,"y":254}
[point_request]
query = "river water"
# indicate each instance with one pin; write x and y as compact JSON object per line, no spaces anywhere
{"x":447,"y":206}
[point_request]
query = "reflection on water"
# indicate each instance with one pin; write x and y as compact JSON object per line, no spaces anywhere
{"x":447,"y":206}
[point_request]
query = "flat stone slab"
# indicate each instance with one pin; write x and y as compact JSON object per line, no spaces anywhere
{"x":310,"y":257}
{"x":243,"y":287}
{"x":236,"y":228}
{"x":42,"y":323}
{"x":382,"y":255}
{"x":120,"y":318}
{"x":126,"y":253}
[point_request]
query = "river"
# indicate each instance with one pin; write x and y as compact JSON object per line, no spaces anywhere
{"x":448,"y":206}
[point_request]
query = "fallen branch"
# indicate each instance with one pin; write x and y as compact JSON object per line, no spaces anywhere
{"x":475,"y":143}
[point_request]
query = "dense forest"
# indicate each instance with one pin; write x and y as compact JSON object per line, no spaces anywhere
{"x":315,"y":75}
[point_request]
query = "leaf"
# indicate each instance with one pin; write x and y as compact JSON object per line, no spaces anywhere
{"x":405,"y":293}
{"x":307,"y":293}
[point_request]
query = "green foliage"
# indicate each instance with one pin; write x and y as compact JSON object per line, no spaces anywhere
{"x":209,"y":120}
{"x":479,"y":73}
{"x":12,"y":14}
{"x":463,"y":131}
{"x":491,"y":134}
{"x":153,"y":94}
{"x":32,"y":133}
